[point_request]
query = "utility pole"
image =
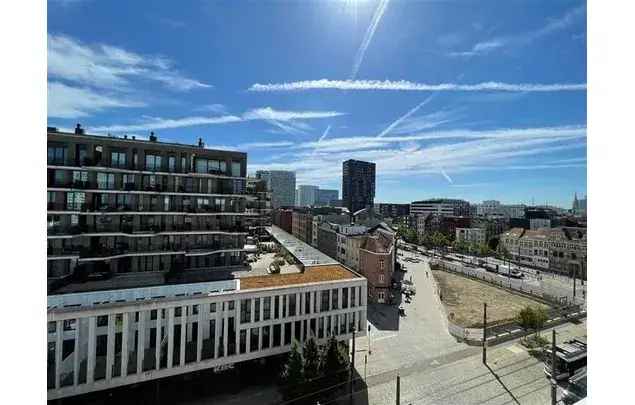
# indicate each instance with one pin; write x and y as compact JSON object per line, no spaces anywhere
{"x":352,"y":366}
{"x":369,"y":351}
{"x":484,"y":333}
{"x":397,"y":400}
{"x":365,"y":363}
{"x":575,"y":270}
{"x":553,"y":368}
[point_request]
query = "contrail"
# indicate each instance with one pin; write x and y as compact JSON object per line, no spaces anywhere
{"x":326,"y":132}
{"x":405,"y":116}
{"x":359,"y":57}
{"x":448,"y":178}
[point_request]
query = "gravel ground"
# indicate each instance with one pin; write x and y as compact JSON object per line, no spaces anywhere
{"x":464,"y":298}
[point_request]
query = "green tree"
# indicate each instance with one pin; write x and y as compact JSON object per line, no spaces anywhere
{"x":293,"y":374}
{"x":333,"y":360}
{"x":541,"y":317}
{"x":527,"y":317}
{"x":311,"y":356}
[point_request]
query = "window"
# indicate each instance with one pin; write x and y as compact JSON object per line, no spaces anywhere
{"x":353,"y":298}
{"x":334,"y":299}
{"x":245,"y":311}
{"x":381,"y":264}
{"x":292,"y":299}
{"x":50,"y":196}
{"x":105,"y":181}
{"x":153,"y":162}
{"x":266,"y":333}
{"x":56,"y":155}
{"x":344,"y":297}
{"x":236,"y":169}
{"x":256,"y":309}
{"x":266,"y":309}
{"x":210,"y":166}
{"x":276,"y":307}
{"x":171,"y":164}
{"x":75,"y":200}
{"x":307,"y":302}
{"x":118,"y":159}
{"x":324,"y":303}
{"x":381,"y":278}
{"x":184,"y":164}
{"x":135,"y":159}
{"x":59,"y":177}
{"x":80,"y":177}
{"x":212,"y":307}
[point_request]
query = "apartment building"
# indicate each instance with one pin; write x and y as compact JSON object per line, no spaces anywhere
{"x":258,"y":207}
{"x":471,"y":235}
{"x":283,"y":218}
{"x":388,"y":210}
{"x":109,"y":339}
{"x":358,"y":184}
{"x":561,"y":249}
{"x":302,"y":225}
{"x":377,"y":258}
{"x":349,"y":240}
{"x":142,"y":210}
{"x":440,"y":206}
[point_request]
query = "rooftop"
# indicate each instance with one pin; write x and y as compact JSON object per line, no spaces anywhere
{"x":306,"y":254}
{"x":312,"y":274}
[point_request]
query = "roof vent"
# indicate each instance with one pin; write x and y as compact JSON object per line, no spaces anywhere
{"x":201,"y":144}
{"x":79,"y":130}
{"x":153,"y":138}
{"x":125,"y":136}
{"x":133,"y":137}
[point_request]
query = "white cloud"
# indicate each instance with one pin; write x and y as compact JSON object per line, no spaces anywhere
{"x":166,"y":123}
{"x":289,"y":121}
{"x":72,"y":102}
{"x":215,"y":108}
{"x":370,"y":32}
{"x":325,"y":134}
{"x":106,"y":66}
{"x":404,"y":85}
{"x":484,"y":47}
{"x":265,"y":145}
{"x":404,"y":117}
{"x":467,"y":151}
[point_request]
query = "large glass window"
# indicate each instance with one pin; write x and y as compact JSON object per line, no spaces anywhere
{"x":60,"y":177}
{"x":334,"y":299}
{"x":257,"y":310}
{"x":153,"y":162}
{"x":172,"y":164}
{"x":105,"y":181}
{"x":344,"y":297}
{"x":236,"y":169}
{"x":56,"y":155}
{"x":80,"y":177}
{"x":75,"y":200}
{"x":118,"y":159}
{"x":292,"y":299}
{"x":211,"y":166}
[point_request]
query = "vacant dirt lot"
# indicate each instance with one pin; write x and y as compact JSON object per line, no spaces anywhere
{"x":464,"y":298}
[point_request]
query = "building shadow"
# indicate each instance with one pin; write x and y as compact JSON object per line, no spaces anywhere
{"x":384,"y":316}
{"x":502,"y":384}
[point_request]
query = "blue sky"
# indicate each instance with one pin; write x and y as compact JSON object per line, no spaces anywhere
{"x":467,"y":99}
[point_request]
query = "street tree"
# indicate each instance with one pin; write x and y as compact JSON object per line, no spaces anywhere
{"x":333,"y":362}
{"x":293,"y":374}
{"x":311,"y":356}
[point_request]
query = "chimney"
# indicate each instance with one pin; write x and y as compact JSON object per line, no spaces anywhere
{"x":79,"y":130}
{"x":153,"y":138}
{"x":133,"y":137}
{"x":125,"y":136}
{"x":201,"y":144}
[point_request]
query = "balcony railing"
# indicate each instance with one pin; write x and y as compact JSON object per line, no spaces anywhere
{"x":127,"y":228}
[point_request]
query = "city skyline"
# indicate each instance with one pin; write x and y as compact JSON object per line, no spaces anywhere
{"x":479,"y":107}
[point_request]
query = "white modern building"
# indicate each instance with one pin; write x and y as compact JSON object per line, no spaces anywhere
{"x":471,"y":235}
{"x":440,"y":206}
{"x":306,"y":196}
{"x":108,"y":339}
{"x":281,"y":183}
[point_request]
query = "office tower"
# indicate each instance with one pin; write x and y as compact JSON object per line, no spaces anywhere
{"x":358,"y":184}
{"x":282,"y":186}
{"x":327,"y":197}
{"x":306,"y":195}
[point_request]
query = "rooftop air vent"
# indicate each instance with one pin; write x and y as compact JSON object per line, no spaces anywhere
{"x":153,"y":138}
